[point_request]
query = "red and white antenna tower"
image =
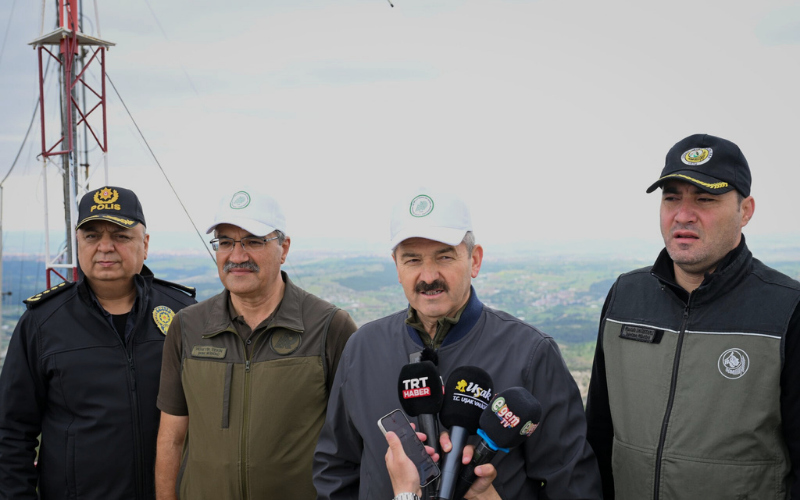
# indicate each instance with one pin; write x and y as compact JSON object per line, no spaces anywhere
{"x":74,"y":113}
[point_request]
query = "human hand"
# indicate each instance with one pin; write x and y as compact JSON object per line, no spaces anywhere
{"x":482,"y":488}
{"x":402,"y":471}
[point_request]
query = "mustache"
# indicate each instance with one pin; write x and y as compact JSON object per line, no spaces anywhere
{"x":433,"y":285}
{"x":248,"y":264}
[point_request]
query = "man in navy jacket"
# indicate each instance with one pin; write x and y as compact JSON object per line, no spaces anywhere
{"x":83,"y":366}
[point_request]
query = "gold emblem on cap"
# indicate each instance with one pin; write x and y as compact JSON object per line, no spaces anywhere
{"x":105,"y":199}
{"x":106,"y":195}
{"x":697,"y":156}
{"x":163,"y":315}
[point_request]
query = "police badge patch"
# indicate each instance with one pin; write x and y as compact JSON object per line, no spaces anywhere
{"x":163,"y":315}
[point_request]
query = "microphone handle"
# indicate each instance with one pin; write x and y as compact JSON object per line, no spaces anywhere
{"x":452,"y":463}
{"x":429,"y":425}
{"x":483,"y":455}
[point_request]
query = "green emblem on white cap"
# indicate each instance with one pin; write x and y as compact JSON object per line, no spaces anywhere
{"x":240,"y":200}
{"x":421,"y":206}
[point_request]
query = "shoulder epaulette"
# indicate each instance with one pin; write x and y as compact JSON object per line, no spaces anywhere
{"x":188,"y":290}
{"x":47,"y":294}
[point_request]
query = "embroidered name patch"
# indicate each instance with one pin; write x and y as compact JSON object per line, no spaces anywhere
{"x":641,"y":334}
{"x":207,"y":351}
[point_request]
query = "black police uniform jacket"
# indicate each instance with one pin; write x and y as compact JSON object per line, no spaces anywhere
{"x":69,"y":376}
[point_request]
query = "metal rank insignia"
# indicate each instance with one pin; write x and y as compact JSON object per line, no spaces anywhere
{"x":163,"y":315}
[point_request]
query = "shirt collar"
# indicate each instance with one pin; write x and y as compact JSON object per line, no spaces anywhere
{"x":442,"y":328}
{"x":469,"y":315}
{"x":141,"y":281}
{"x":287,"y":315}
{"x":664,"y":268}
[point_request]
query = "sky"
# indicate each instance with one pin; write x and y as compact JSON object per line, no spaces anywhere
{"x":551,"y":118}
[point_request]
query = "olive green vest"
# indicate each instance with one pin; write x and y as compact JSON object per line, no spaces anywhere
{"x":253,"y":422}
{"x":694,"y":390}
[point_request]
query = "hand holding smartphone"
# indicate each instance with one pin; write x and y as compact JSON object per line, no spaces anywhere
{"x":397,"y":422}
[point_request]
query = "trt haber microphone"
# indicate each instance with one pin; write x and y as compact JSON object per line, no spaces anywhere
{"x":511,"y":417}
{"x":420,"y":390}
{"x":466,"y":395}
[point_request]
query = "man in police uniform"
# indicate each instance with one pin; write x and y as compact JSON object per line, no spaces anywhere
{"x":247,"y":373}
{"x":83,"y":366}
{"x":695,"y":389}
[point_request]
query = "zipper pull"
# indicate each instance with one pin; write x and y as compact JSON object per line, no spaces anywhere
{"x":247,"y":365}
{"x":133,"y":374}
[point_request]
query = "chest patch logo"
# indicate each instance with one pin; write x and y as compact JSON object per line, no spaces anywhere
{"x":163,"y":315}
{"x":284,"y":342}
{"x":641,"y":334}
{"x":733,"y":363}
{"x":207,"y":351}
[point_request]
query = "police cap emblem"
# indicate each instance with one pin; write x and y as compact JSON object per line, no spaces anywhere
{"x":697,"y":156}
{"x":106,"y":195}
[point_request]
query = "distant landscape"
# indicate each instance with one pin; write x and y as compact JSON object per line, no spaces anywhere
{"x":561,"y":295}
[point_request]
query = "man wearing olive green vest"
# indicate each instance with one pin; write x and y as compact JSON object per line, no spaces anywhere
{"x":695,"y":390}
{"x":246,"y":374}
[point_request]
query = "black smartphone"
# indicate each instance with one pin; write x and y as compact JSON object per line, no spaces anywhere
{"x":398,"y":423}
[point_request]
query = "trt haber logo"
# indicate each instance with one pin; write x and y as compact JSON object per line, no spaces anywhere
{"x":504,"y":413}
{"x":416,"y":388}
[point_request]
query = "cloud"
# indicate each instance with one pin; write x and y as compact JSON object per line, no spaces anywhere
{"x":349,"y":74}
{"x":780,"y":26}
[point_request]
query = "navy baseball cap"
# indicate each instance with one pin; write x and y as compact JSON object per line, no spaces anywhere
{"x":713,"y":164}
{"x":113,"y":204}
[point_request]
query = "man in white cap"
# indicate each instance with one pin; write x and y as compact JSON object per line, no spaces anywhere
{"x":436,"y":257}
{"x":246,"y":374}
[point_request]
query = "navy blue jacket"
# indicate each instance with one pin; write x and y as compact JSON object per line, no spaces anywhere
{"x":69,"y":376}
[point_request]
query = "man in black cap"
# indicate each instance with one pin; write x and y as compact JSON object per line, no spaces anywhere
{"x":83,"y":366}
{"x":695,"y":390}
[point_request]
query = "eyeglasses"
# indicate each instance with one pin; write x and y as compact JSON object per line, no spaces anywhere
{"x":249,"y":243}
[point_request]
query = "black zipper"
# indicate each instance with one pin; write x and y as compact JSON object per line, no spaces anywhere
{"x":134,"y":399}
{"x":137,"y":424}
{"x":673,"y":382}
{"x":137,"y":431}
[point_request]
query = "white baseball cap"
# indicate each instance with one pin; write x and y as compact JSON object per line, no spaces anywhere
{"x":250,"y":209}
{"x":430,"y":214}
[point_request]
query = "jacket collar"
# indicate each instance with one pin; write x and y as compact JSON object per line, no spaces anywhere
{"x":730,"y":270}
{"x":289,"y":314}
{"x":459,"y":330}
{"x":142,"y":281}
